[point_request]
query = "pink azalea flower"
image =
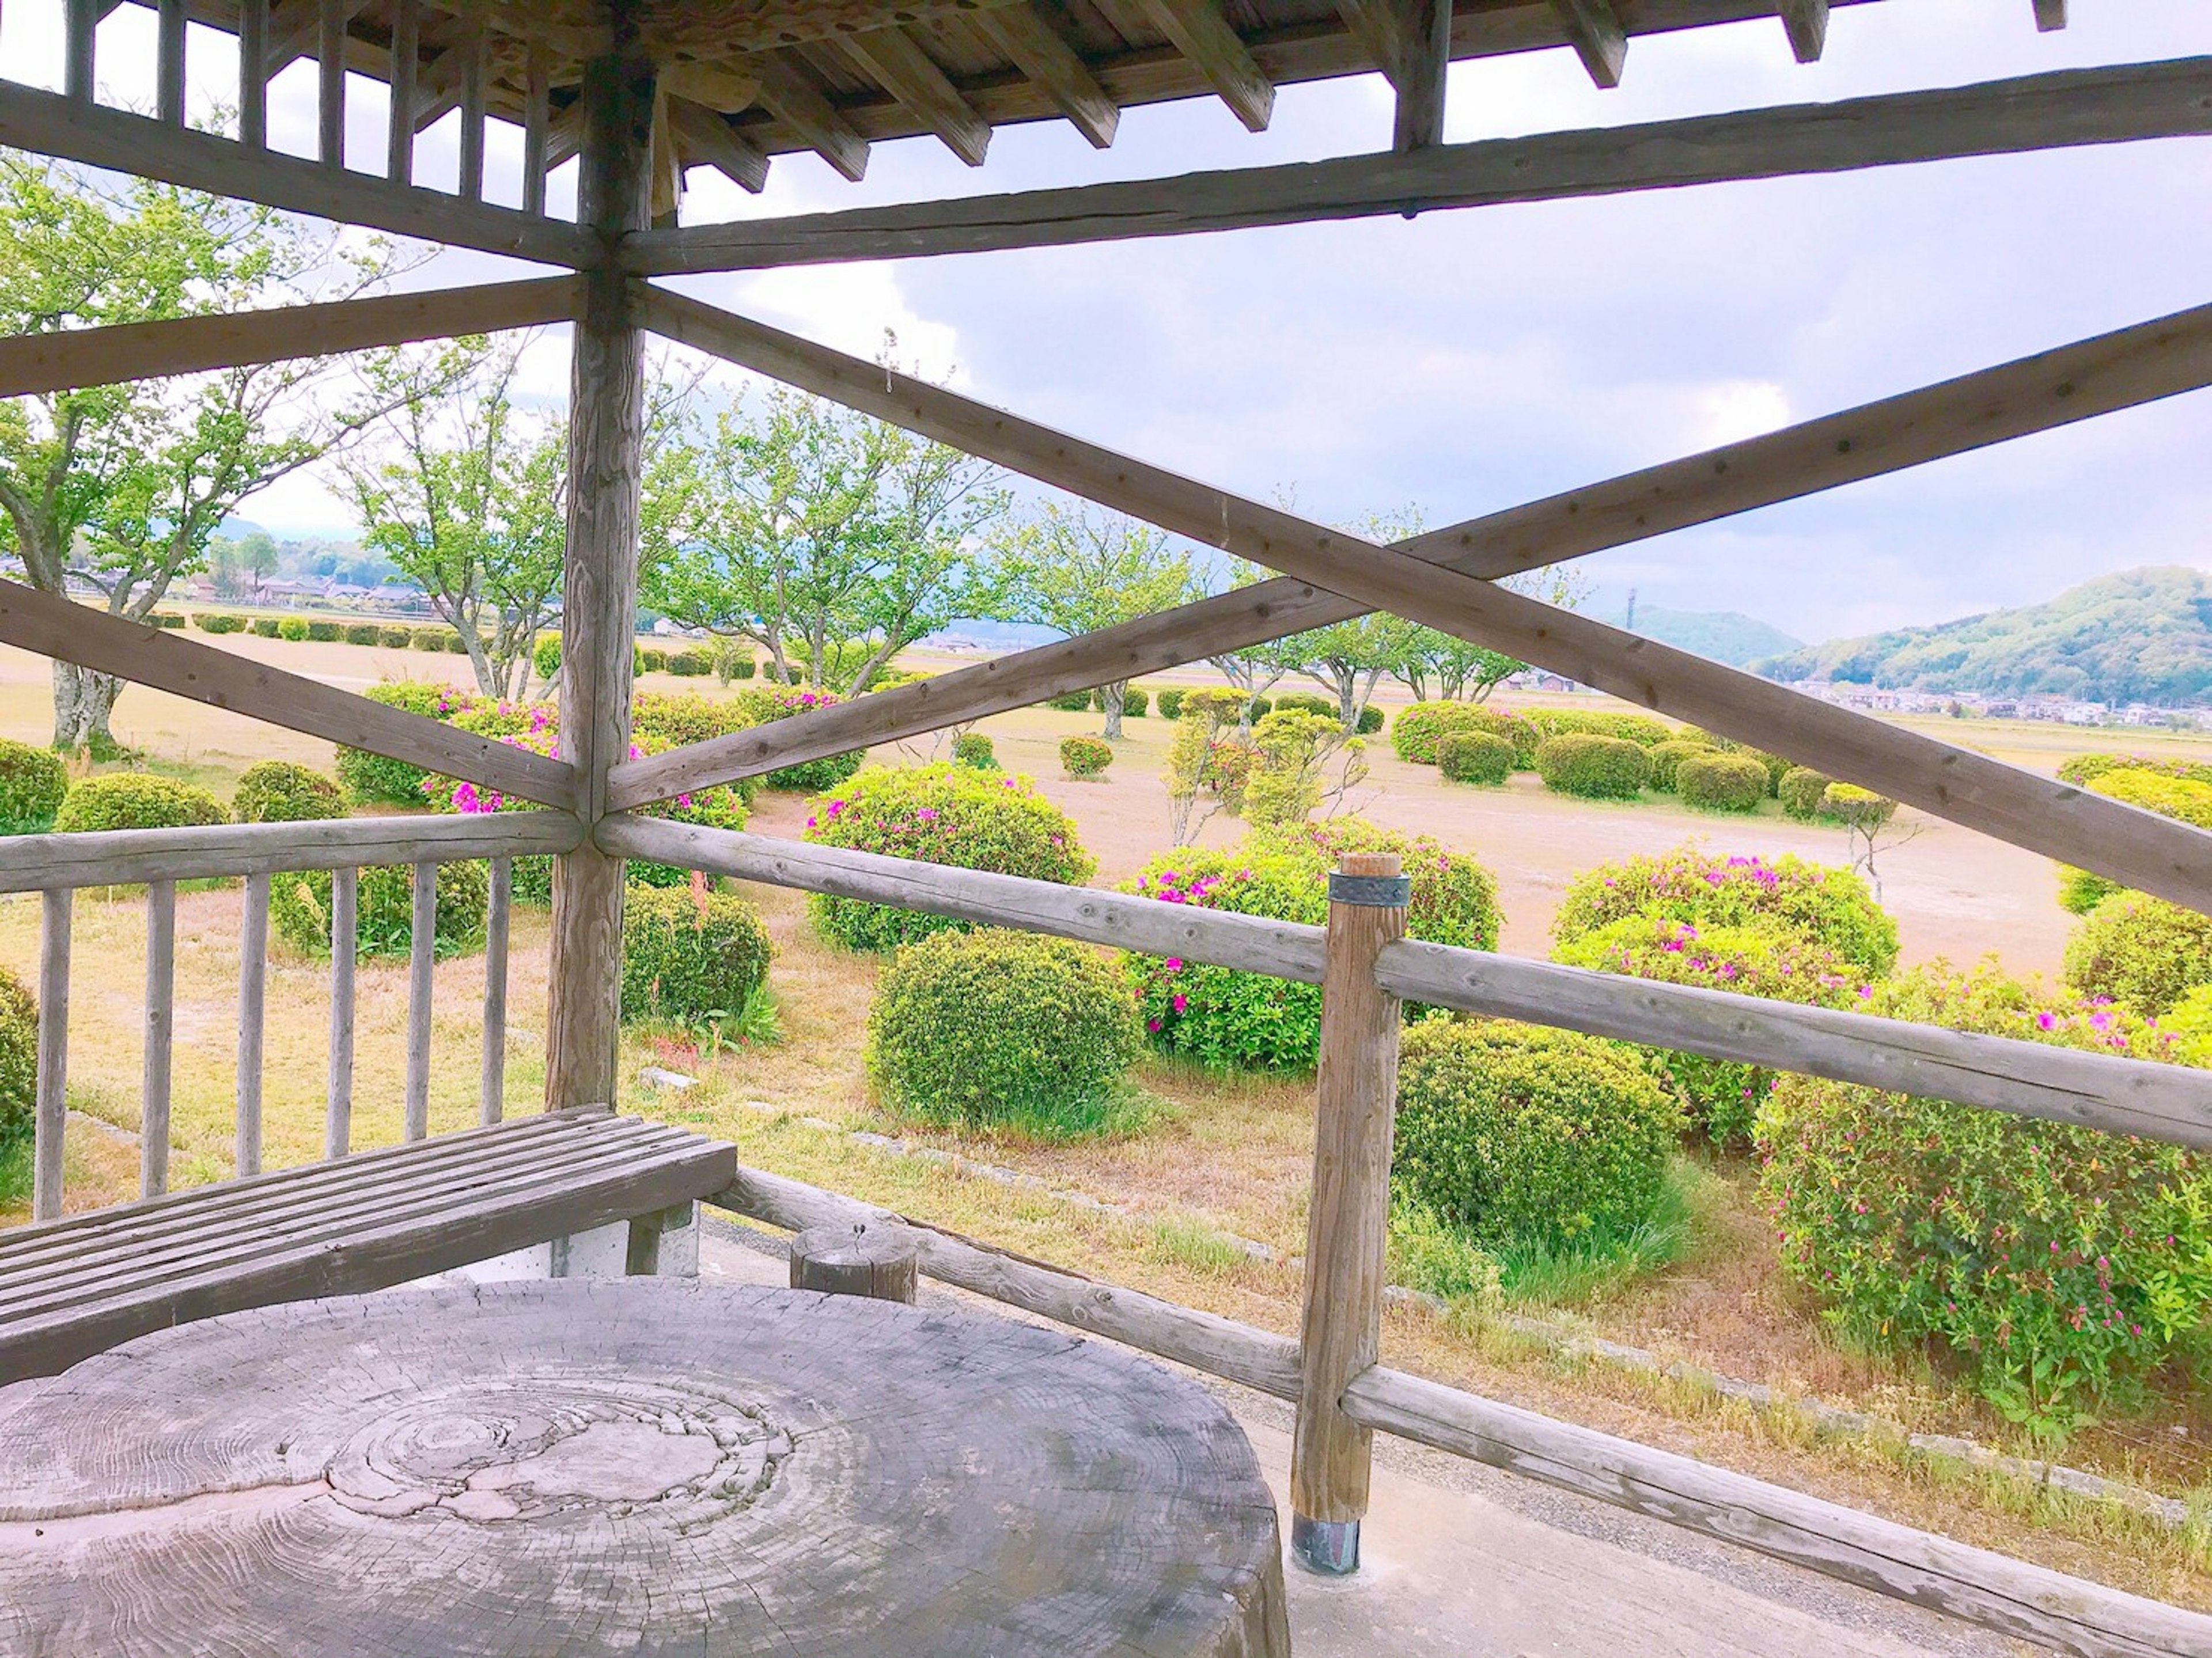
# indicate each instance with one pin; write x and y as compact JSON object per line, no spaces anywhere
{"x":1180,"y":1001}
{"x":1175,"y":964}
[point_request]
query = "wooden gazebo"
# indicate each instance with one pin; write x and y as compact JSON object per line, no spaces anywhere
{"x":642,"y":90}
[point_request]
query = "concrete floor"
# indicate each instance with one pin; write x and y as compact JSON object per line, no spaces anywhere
{"x":1460,"y":1559}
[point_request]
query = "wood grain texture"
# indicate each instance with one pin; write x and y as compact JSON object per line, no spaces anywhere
{"x":635,"y":1465}
{"x":491,"y":1082}
{"x":1201,"y":33}
{"x":50,"y":1122}
{"x":253,"y":74}
{"x":900,"y":66}
{"x":2031,"y":113}
{"x":345,"y":954}
{"x":55,"y":626}
{"x":878,"y":1260}
{"x":1806,"y":23}
{"x":1594,"y":30}
{"x":160,"y":1040}
{"x":1035,"y":47}
{"x":253,"y":1016}
{"x":422,"y":963}
{"x":1347,"y":1218}
{"x":2027,"y":1602}
{"x":2133,"y":366}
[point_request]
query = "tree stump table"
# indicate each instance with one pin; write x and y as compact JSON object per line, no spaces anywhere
{"x":648,"y":1465}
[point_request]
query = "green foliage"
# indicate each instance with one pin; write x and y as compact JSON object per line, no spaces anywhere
{"x":1258,"y":710}
{"x":270,"y":626}
{"x":1666,"y":756}
{"x":372,"y":778}
{"x":32,"y":783}
{"x":1512,"y":1132}
{"x":279,"y":792}
{"x":1857,"y":808}
{"x":1593,"y":767}
{"x":321,"y":631}
{"x":2082,"y":770}
{"x":1084,"y":756}
{"x":393,"y":637}
{"x":18,"y":1062}
{"x":2061,"y":1266}
{"x":169,"y":619}
{"x":1640,"y":729}
{"x":1721,"y":782}
{"x":974,"y":749}
{"x":1070,"y":702}
{"x":1433,"y":1257}
{"x":1292,"y":753}
{"x":1474,"y":758}
{"x":691,"y":956}
{"x":1825,"y":906}
{"x":1135,"y":702}
{"x":938,"y":814}
{"x":362,"y":633}
{"x":427,"y":639}
{"x":300,"y":909}
{"x":136,"y":800}
{"x":546,"y":658}
{"x":1419,"y":728}
{"x":2142,"y":952}
{"x":1305,"y":702}
{"x":218,"y":623}
{"x":762,"y":704}
{"x":1453,"y":899}
{"x":2185,"y":799}
{"x":456,"y":645}
{"x":1369,"y":722}
{"x":651,"y":660}
{"x":1000,"y":1028}
{"x":686,"y":717}
{"x":1724,"y":636}
{"x":1171,"y":701}
{"x":691,"y":665}
{"x":1800,"y":791}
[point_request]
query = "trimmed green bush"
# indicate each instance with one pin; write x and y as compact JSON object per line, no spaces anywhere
{"x":686,"y":717}
{"x":165,"y":619}
{"x":270,"y":626}
{"x":1171,"y":701}
{"x":1307,"y":702}
{"x":1135,"y":701}
{"x":300,"y":909}
{"x":1721,"y":782}
{"x":372,"y":777}
{"x":136,"y":800}
{"x":19,"y":1061}
{"x":546,"y":658}
{"x":998,"y":1029}
{"x":938,"y":814}
{"x":1862,"y":809}
{"x":456,"y":645}
{"x":360,"y":633}
{"x":1474,"y":758}
{"x":650,"y":661}
{"x":219,"y":624}
{"x":278,"y":791}
{"x":393,"y":638}
{"x":1777,"y":766}
{"x":2063,"y":1265}
{"x":974,"y":749}
{"x":2142,"y":952}
{"x":1419,"y":729}
{"x":690,"y":957}
{"x":1085,"y":756}
{"x":297,"y":628}
{"x":2082,"y":770}
{"x":691,"y":665}
{"x":1070,"y":702}
{"x":1593,"y":767}
{"x":325,"y":631}
{"x":1823,"y":905}
{"x":33,"y":784}
{"x":2169,"y":795}
{"x":1369,"y":722}
{"x":1666,"y":756}
{"x":1516,"y":1133}
{"x":1640,"y":729}
{"x":761,"y":703}
{"x":426,"y":639}
{"x":1800,"y":791}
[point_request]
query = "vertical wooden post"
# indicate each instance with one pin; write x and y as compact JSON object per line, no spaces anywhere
{"x":422,"y":960}
{"x":406,"y":52}
{"x":1347,"y":1223}
{"x":477,"y":45}
{"x":252,"y":1011}
{"x":161,"y":1030}
{"x":491,"y":1098}
{"x":598,"y":591}
{"x":169,"y":62}
{"x":254,"y":73}
{"x":345,"y":948}
{"x":330,"y":51}
{"x":82,"y":24}
{"x":537,"y":122}
{"x":50,"y":1123}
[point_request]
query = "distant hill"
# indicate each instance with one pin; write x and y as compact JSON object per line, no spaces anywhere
{"x":2143,"y":635}
{"x":1729,"y":636}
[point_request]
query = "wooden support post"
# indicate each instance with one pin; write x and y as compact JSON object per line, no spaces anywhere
{"x":474,"y":45}
{"x":81,"y":21}
{"x":421,"y":958}
{"x":406,"y":51}
{"x":51,"y":1120}
{"x":1347,"y":1223}
{"x":169,"y":63}
{"x":607,"y":433}
{"x":252,"y":1011}
{"x":878,"y":1260}
{"x":537,"y":122}
{"x":254,"y":73}
{"x":330,"y":39}
{"x":492,"y":1093}
{"x":345,"y":944}
{"x":160,"y":1023}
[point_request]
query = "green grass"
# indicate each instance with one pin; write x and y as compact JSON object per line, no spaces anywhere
{"x":15,"y":1168}
{"x":1195,"y":1247}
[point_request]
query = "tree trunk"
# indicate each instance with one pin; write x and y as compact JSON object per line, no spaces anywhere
{"x":83,"y":701}
{"x":1114,"y":696}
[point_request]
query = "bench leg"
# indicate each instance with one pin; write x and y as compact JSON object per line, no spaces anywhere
{"x":666,"y":1244}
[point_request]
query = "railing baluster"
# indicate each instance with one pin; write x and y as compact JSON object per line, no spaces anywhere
{"x":160,"y":1031}
{"x":330,"y":104}
{"x":421,"y":957}
{"x":406,"y":39}
{"x":83,"y":24}
{"x":537,"y":122}
{"x":53,"y":1053}
{"x":170,"y":99}
{"x":252,"y":1007}
{"x":337,"y":1119}
{"x":254,"y":73}
{"x":493,"y":1098}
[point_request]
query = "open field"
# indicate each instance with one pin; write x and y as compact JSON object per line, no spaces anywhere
{"x":1230,"y":1160}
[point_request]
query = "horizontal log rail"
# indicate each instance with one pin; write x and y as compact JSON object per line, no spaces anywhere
{"x":2140,"y":364}
{"x":2031,"y":112}
{"x":63,"y":360}
{"x":55,"y":626}
{"x":1996,"y":1073}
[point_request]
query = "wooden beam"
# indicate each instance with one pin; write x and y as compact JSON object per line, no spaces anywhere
{"x":31,"y":364}
{"x":1424,"y":44}
{"x":51,"y":123}
{"x":92,"y":639}
{"x":1198,"y":30}
{"x":1593,"y":29}
{"x":1806,"y":23}
{"x":2030,"y":1603}
{"x":2121,"y":370}
{"x":897,"y":62}
{"x":2033,"y":113}
{"x":2050,"y":14}
{"x":708,"y":139}
{"x":789,"y":93}
{"x":1037,"y":49}
{"x":2137,"y":848}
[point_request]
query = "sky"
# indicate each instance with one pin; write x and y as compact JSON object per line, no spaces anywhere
{"x":1466,"y":361}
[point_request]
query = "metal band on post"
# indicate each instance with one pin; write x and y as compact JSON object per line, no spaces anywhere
{"x":1371,"y":891}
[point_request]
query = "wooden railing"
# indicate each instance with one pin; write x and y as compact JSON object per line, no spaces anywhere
{"x":58,"y":865}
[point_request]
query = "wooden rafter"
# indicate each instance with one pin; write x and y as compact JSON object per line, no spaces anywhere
{"x":789,"y":91}
{"x":1037,"y":49}
{"x":1594,"y":30}
{"x":1806,"y":23}
{"x":707,"y":139}
{"x":899,"y":64}
{"x":1201,"y":33}
{"x":2050,"y":14}
{"x":2067,"y":107}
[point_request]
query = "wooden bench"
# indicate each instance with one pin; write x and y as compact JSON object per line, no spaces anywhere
{"x":73,"y":1287}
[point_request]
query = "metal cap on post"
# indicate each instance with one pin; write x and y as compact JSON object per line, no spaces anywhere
{"x":1347,"y":1223}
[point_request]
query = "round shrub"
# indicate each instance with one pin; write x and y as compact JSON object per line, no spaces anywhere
{"x":296,"y":628}
{"x":300,"y":909}
{"x":19,"y":1061}
{"x":1593,"y":767}
{"x":759,"y":704}
{"x":1258,"y":710}
{"x":219,"y":624}
{"x":691,"y":665}
{"x":2062,"y":1265}
{"x":1800,"y":791}
{"x":2182,"y":798}
{"x":278,"y":791}
{"x":1640,"y":729}
{"x":373,"y":778}
{"x":270,"y":626}
{"x":1419,"y":729}
{"x":426,"y":639}
{"x":1516,"y":1132}
{"x":2082,"y":770}
{"x":1474,"y":758}
{"x":1861,"y":809}
{"x":165,"y":619}
{"x":135,"y":799}
{"x":546,"y":658}
{"x":974,"y":749}
{"x":1135,"y":702}
{"x":456,"y":645}
{"x":1721,"y":782}
{"x":1171,"y":701}
{"x":650,"y":661}
{"x":938,"y":814}
{"x":2141,"y":952}
{"x":1666,"y":756}
{"x":1369,"y":722}
{"x":360,"y":633}
{"x":325,"y":631}
{"x":690,"y":957}
{"x":1085,"y":756}
{"x":392,"y":638}
{"x":686,"y":717}
{"x":32,"y":783}
{"x":1307,"y":702}
{"x":1826,"y":906}
{"x":1453,"y":899}
{"x":1070,"y":702}
{"x":1002,"y":1030}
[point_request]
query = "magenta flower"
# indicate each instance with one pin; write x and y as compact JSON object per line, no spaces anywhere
{"x":1175,"y":964}
{"x":1153,"y":1025}
{"x":2046,"y":1022}
{"x":1179,"y":1001}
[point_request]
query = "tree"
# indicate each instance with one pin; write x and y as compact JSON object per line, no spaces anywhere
{"x":1346,"y":659}
{"x":1257,"y":669}
{"x":831,"y":541}
{"x":118,"y":490}
{"x":469,"y":501}
{"x":1078,"y":571}
{"x":239,"y":565}
{"x":1458,"y":668}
